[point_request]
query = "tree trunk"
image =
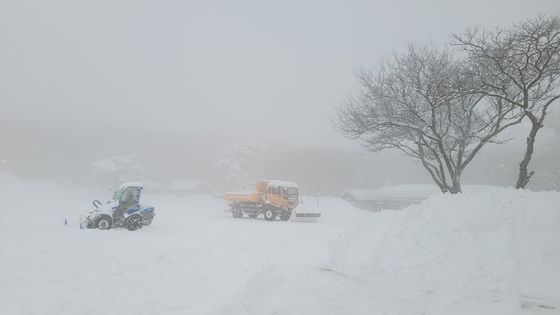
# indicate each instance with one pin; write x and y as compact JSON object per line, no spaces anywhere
{"x":524,"y":174}
{"x":456,"y":188}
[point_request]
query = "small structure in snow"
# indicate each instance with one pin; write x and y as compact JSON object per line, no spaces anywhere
{"x":152,"y":186}
{"x":391,"y":197}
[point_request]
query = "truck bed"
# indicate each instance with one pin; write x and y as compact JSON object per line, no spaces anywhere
{"x":243,"y":197}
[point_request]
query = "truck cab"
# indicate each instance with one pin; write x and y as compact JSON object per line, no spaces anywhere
{"x":282,"y":194}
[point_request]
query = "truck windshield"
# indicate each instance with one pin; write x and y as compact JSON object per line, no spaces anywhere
{"x":291,"y":192}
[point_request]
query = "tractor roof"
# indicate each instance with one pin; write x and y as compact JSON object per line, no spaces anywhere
{"x":131,"y":184}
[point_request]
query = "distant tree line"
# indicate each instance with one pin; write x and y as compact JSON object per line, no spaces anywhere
{"x":442,"y":105}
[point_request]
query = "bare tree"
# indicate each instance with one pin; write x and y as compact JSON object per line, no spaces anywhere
{"x":422,"y":104}
{"x":521,"y":67}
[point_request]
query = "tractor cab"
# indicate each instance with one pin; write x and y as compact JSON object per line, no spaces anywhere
{"x":128,"y":194}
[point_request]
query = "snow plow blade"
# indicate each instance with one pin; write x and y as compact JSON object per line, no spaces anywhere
{"x":306,"y":217}
{"x":300,"y":214}
{"x":83,"y":222}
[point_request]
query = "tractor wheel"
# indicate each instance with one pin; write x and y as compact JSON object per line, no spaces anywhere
{"x":147,"y":219}
{"x":104,"y":222}
{"x":237,"y":212}
{"x":270,"y":214}
{"x":133,"y":223}
{"x":285,"y":215}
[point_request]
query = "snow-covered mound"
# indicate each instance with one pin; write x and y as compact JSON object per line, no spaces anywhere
{"x":495,"y":251}
{"x":490,"y":252}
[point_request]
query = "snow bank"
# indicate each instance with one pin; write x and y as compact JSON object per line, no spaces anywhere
{"x":495,"y":251}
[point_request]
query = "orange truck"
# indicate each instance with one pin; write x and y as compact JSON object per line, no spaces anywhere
{"x":272,"y":198}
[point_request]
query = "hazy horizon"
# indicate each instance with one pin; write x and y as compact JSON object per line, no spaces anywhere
{"x":75,"y":75}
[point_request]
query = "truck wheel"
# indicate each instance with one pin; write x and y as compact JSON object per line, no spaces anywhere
{"x":133,"y":223}
{"x":104,"y":222}
{"x":285,"y":216}
{"x":237,"y":213}
{"x":270,"y":214}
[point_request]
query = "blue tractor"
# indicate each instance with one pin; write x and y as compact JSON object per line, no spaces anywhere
{"x":124,"y":210}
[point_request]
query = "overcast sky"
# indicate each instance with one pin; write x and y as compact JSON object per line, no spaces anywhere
{"x":248,"y":69}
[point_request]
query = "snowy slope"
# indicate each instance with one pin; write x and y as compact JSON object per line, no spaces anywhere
{"x":493,"y":252}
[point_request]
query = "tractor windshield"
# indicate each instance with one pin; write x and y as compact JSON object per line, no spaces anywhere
{"x":117,"y":195}
{"x":131,"y":195}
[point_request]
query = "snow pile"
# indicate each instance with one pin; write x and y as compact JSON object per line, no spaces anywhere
{"x":495,"y":251}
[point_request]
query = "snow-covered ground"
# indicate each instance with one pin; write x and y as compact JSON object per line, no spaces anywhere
{"x":489,"y":252}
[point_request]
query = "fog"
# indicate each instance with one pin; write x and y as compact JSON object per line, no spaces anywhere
{"x":201,"y":100}
{"x":220,"y":91}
